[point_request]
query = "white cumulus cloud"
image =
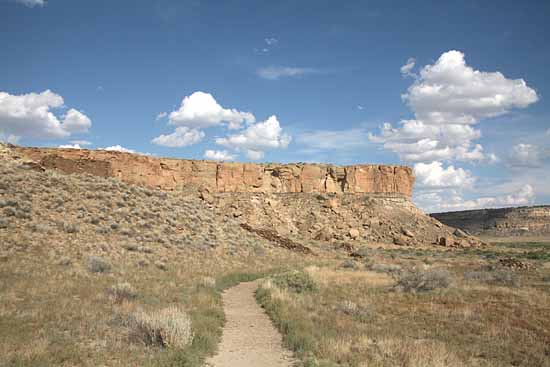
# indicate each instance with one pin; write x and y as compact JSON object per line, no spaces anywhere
{"x":447,"y":99}
{"x":452,"y":200}
{"x":30,"y":116}
{"x":118,"y":148}
{"x":32,"y":3}
{"x":276,"y":72}
{"x":219,"y":155}
{"x":433,"y":175}
{"x":70,"y":146}
{"x":406,"y":70}
{"x":201,"y":110}
{"x":181,"y":137}
{"x":257,"y":138}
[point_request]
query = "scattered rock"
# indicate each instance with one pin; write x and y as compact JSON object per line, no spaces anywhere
{"x":354,"y":233}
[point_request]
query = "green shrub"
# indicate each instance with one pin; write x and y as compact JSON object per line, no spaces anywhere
{"x":296,"y":281}
{"x":98,"y":265}
{"x":423,"y":281}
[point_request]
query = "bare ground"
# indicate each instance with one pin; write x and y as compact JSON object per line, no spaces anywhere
{"x":249,"y":338}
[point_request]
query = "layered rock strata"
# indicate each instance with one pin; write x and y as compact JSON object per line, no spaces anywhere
{"x":222,"y":177}
{"x":529,"y":221}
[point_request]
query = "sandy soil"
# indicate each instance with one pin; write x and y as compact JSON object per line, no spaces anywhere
{"x":249,"y":338}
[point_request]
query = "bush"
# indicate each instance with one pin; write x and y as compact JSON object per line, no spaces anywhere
{"x":497,"y":277}
{"x":384,"y":268}
{"x":349,"y":264}
{"x":167,"y":328}
{"x":423,"y":281}
{"x":296,"y":281}
{"x":70,"y":228}
{"x":98,"y":265}
{"x":122,"y":291}
{"x":356,"y":311}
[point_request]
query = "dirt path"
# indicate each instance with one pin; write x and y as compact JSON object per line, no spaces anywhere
{"x":249,"y":338}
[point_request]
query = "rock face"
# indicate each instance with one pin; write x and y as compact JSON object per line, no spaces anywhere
{"x":521,"y":221}
{"x":222,"y":177}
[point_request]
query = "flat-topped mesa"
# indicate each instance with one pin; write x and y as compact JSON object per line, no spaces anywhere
{"x":171,"y":174}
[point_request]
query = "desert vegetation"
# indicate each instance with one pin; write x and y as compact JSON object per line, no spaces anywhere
{"x":414,"y":308}
{"x":97,"y":272}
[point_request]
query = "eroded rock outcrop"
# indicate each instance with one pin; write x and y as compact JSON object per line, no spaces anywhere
{"x":221,"y":177}
{"x":521,"y":221}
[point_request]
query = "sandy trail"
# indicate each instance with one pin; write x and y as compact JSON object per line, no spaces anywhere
{"x":249,"y":338}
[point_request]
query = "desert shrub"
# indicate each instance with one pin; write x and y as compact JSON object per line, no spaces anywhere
{"x":122,"y":291}
{"x":167,"y":328}
{"x":358,"y":312}
{"x":207,"y":282}
{"x":384,"y":268}
{"x":70,"y":227}
{"x":98,"y":265}
{"x":161,"y":265}
{"x":497,"y":277}
{"x":296,"y":281}
{"x":65,"y":261}
{"x":423,"y":281}
{"x":130,"y":247}
{"x":348,"y":264}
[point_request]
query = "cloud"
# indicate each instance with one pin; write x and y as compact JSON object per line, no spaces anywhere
{"x":257,"y":138}
{"x":30,"y":116}
{"x":447,"y":99}
{"x":32,"y":3}
{"x":161,"y":115}
{"x":452,"y":200}
{"x":76,"y":122}
{"x":70,"y":146}
{"x":406,"y":70}
{"x":276,"y":72}
{"x":433,"y":175}
{"x":219,"y":155}
{"x":254,"y":154}
{"x":118,"y":148}
{"x":181,"y":137}
{"x":529,"y":155}
{"x":81,"y":142}
{"x":9,"y":138}
{"x":318,"y":140}
{"x":201,"y":110}
{"x":271,"y":41}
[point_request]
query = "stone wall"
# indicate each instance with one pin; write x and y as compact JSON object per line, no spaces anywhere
{"x":171,"y":174}
{"x":534,"y":220}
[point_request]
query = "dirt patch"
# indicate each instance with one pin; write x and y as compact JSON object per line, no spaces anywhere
{"x":249,"y":338}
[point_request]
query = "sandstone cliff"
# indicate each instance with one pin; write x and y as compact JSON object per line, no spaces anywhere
{"x":529,"y":221}
{"x":220,"y":177}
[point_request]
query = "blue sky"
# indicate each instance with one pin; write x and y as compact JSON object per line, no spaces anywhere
{"x":293,"y":81}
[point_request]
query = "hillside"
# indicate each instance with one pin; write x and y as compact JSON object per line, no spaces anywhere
{"x":98,"y":271}
{"x":520,"y":221}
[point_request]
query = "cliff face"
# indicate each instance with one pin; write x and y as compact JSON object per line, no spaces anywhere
{"x":220,"y":177}
{"x":500,"y":222}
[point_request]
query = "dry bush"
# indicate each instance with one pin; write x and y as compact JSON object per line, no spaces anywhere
{"x":384,"y":268}
{"x":423,"y":280}
{"x":496,"y":277}
{"x":98,"y":265}
{"x":122,"y":291}
{"x":167,"y":328}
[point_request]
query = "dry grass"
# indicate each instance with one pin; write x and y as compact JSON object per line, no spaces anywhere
{"x":357,"y":319}
{"x":169,"y":327}
{"x":80,"y":254}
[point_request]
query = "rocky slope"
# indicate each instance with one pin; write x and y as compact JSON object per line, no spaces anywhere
{"x":290,"y":206}
{"x":521,"y":221}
